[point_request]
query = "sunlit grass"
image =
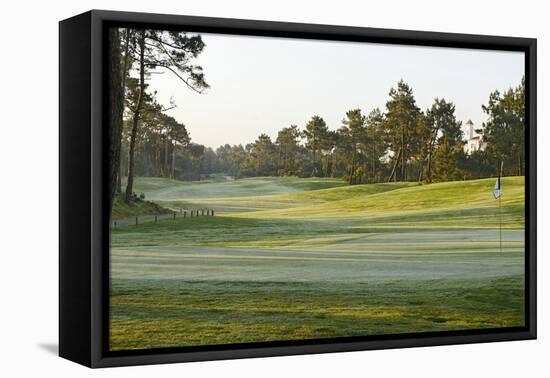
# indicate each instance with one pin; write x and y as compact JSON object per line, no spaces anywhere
{"x":156,"y":314}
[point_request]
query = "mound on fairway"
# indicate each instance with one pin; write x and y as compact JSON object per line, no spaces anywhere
{"x":123,"y":210}
{"x":247,"y":203}
{"x":462,"y":203}
{"x":338,"y":215}
{"x":156,"y":188}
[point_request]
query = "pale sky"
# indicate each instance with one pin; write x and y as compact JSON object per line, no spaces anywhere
{"x":260,"y":85}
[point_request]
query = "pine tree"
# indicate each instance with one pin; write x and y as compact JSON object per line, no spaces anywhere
{"x":315,"y":132}
{"x":445,"y":132}
{"x":173,"y":51}
{"x":354,"y":132}
{"x":116,"y":109}
{"x":400,"y":124}
{"x":504,"y":131}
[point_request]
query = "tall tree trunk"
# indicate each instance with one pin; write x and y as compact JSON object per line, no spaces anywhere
{"x":429,"y":169}
{"x":165,"y":171}
{"x":352,"y":170}
{"x":394,"y":169}
{"x":430,"y":154}
{"x":314,"y":163}
{"x":116,"y":109}
{"x":125,"y":68}
{"x":126,"y":59}
{"x":373,"y":163}
{"x":173,"y":170}
{"x":119,"y":180}
{"x":156,"y":162}
{"x":403,"y":171}
{"x":135,"y":120}
{"x":118,"y":139}
{"x":334,"y":163}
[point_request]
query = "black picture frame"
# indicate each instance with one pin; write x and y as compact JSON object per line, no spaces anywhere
{"x":83,"y":196}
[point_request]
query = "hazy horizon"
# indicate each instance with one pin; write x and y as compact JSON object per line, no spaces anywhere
{"x":260,"y":85}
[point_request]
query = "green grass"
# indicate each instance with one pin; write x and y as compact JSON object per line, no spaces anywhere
{"x":288,"y":258}
{"x":122,"y":210}
{"x":451,"y":196}
{"x":166,"y":189}
{"x":350,"y":210}
{"x":153,"y":314}
{"x":230,"y":204}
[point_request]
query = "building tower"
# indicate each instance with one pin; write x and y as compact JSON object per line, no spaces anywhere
{"x":469,"y":131}
{"x":472,"y":138}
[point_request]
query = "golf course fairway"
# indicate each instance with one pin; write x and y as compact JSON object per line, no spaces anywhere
{"x":285,"y":258}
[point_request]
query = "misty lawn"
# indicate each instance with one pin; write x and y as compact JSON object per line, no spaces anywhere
{"x":283,"y":260}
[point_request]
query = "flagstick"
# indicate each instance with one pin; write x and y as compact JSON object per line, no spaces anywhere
{"x":500,"y":215}
{"x":499,"y":203}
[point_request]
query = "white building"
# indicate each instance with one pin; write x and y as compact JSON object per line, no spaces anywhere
{"x":472,"y":138}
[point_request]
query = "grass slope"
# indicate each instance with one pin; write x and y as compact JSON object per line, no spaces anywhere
{"x":122,"y":210}
{"x":156,"y":188}
{"x":441,"y":202}
{"x":339,"y":214}
{"x":227,"y":204}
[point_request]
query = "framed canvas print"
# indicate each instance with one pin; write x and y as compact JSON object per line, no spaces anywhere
{"x":234,"y":188}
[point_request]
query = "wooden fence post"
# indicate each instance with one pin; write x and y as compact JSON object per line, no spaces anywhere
{"x":212,"y":212}
{"x":184,"y":214}
{"x":136,"y":219}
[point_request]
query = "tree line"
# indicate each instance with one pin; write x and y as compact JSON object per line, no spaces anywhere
{"x":399,"y":143}
{"x":135,"y":116}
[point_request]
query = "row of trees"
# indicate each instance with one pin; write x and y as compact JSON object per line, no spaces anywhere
{"x":134,"y":114}
{"x":401,"y":143}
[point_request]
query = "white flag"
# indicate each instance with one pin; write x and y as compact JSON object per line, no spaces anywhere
{"x":497,"y":192}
